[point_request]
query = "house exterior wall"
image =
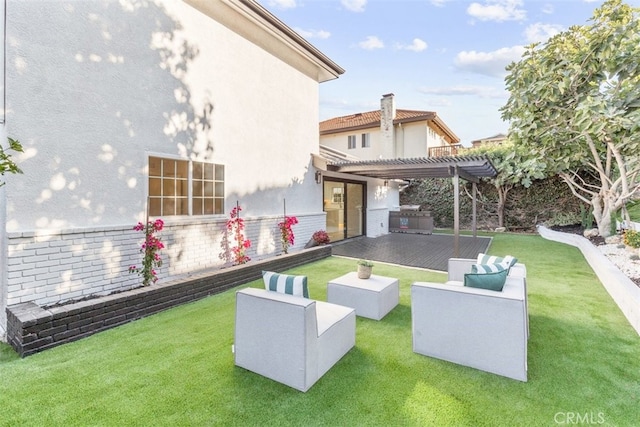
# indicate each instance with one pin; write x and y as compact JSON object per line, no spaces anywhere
{"x":95,"y":87}
{"x":410,"y":140}
{"x":3,"y":246}
{"x":339,"y":141}
{"x":414,"y":140}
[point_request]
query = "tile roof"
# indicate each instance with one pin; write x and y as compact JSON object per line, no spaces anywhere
{"x":371,"y":119}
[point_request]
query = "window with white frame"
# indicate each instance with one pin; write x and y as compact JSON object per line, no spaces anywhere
{"x":184,"y":187}
{"x":366,"y":140}
{"x":352,"y":142}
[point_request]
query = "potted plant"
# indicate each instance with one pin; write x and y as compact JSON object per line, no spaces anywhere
{"x":364,"y":269}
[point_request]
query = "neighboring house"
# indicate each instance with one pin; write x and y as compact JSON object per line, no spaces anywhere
{"x":173,"y":109}
{"x":492,"y":140}
{"x":389,"y":133}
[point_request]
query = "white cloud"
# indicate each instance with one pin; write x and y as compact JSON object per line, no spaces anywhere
{"x":313,"y":34}
{"x":283,"y":4}
{"x":540,"y":32}
{"x":371,"y":43}
{"x":354,"y":5}
{"x":488,"y":63}
{"x":498,"y":10}
{"x":439,"y":3}
{"x":417,"y":45}
{"x":548,"y":8}
{"x":440,"y":102}
{"x":472,"y":90}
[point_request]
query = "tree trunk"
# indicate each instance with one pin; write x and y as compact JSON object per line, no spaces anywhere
{"x":602,"y":209}
{"x":604,"y":226}
{"x":502,"y":201}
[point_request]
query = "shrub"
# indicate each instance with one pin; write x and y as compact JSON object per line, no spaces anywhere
{"x":564,"y":218}
{"x":632,"y":238}
{"x":151,"y":252}
{"x":321,"y":237}
{"x":287,"y":238}
{"x":234,"y":235}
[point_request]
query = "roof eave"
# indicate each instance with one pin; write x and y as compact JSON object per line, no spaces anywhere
{"x":375,"y":125}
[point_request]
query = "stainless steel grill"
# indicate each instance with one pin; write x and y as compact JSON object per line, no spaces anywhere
{"x":410,"y":219}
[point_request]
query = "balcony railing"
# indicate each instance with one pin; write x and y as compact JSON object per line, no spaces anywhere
{"x":444,"y":151}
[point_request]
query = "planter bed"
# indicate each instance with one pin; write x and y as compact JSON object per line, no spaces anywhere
{"x":31,"y":328}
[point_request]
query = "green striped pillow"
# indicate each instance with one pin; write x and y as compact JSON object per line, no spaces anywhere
{"x":508,"y":261}
{"x":285,"y":283}
{"x":487,"y":268}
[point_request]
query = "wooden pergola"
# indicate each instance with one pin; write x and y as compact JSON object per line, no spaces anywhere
{"x":470,"y":168}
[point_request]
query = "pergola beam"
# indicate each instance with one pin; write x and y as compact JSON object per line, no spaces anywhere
{"x":456,"y":170}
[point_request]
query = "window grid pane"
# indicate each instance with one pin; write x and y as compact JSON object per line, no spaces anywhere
{"x":168,"y":186}
{"x":207,"y":188}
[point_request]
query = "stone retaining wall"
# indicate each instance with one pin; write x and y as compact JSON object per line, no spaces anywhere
{"x":31,"y":329}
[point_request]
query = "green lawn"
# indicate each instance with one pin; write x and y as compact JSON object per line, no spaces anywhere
{"x":176,"y":368}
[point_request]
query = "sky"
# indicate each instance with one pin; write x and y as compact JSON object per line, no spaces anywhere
{"x":447,"y":56}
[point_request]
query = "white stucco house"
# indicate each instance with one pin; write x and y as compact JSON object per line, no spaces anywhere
{"x":389,"y":133}
{"x":385,"y":134}
{"x":173,"y":109}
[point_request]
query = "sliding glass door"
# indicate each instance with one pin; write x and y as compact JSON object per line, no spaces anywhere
{"x":344,"y":203}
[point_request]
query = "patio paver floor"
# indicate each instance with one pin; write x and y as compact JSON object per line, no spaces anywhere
{"x":431,"y":251}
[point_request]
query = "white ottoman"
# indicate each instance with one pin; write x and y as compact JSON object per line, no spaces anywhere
{"x":372,"y":298}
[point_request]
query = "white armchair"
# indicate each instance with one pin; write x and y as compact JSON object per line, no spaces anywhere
{"x":458,"y":267}
{"x":479,"y":328}
{"x":290,"y":339}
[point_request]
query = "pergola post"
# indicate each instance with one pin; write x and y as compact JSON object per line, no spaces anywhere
{"x":456,"y":214}
{"x":474,"y":216}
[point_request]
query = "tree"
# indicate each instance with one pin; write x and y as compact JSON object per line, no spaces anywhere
{"x":514,"y":168}
{"x":6,"y":163}
{"x":575,"y":102}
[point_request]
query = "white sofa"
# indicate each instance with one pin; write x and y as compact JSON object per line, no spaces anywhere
{"x":479,"y":328}
{"x":290,"y":339}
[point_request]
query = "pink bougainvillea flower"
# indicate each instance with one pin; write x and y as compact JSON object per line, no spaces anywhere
{"x":150,"y":248}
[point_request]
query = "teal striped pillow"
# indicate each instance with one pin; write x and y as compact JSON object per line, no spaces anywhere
{"x":493,"y":281}
{"x":285,"y":283}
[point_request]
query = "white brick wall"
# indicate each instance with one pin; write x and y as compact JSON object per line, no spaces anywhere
{"x":61,"y":265}
{"x":377,"y":222}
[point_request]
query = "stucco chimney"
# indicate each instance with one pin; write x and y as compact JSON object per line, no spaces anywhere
{"x":387,"y":115}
